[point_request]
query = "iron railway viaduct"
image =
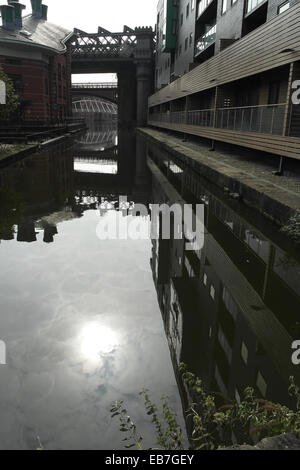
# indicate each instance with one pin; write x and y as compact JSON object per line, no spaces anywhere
{"x":129,"y":54}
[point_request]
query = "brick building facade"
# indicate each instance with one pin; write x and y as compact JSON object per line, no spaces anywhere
{"x":37,"y":57}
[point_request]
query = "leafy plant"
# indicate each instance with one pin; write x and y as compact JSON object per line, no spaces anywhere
{"x":292,"y":228}
{"x":12,"y":99}
{"x":211,"y":419}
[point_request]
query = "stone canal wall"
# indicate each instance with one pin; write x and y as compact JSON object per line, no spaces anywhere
{"x":275,"y":197}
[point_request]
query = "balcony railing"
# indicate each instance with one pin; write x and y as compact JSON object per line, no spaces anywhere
{"x":203,"y":117}
{"x":206,"y":40}
{"x":264,"y":119}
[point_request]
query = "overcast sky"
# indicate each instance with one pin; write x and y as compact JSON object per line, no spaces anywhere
{"x":110,"y":14}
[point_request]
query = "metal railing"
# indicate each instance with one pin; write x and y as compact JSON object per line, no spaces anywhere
{"x":206,"y":40}
{"x":95,"y":85}
{"x":263,"y":119}
{"x":202,"y":117}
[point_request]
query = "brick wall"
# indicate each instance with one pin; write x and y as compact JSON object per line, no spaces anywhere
{"x":44,"y":88}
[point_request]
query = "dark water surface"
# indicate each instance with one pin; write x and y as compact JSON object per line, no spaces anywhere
{"x":79,"y":316}
{"x":88,"y":321}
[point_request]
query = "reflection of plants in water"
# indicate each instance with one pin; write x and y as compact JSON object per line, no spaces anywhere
{"x":211,"y":419}
{"x":292,"y":228}
{"x":11,"y":208}
{"x":288,"y":261}
{"x":168,"y":432}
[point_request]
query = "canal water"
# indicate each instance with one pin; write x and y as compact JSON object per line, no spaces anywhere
{"x":88,"y":320}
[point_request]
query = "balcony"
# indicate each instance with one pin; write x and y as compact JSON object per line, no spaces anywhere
{"x":206,"y":40}
{"x":202,"y":117}
{"x":264,"y":119}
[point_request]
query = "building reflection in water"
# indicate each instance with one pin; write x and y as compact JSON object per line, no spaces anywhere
{"x":230,"y":310}
{"x":36,"y":194}
{"x":61,"y":183}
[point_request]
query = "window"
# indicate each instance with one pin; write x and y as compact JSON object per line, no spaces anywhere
{"x":224,"y":6}
{"x":244,"y":353}
{"x":205,"y":279}
{"x":59,"y":71}
{"x":274,"y":90}
{"x":191,"y":39}
{"x":174,"y":27}
{"x":186,"y":43}
{"x":187,"y":10}
{"x":192,"y":5}
{"x":181,"y":19}
{"x":10,"y":61}
{"x":212,"y":292}
{"x":180,"y":49}
{"x":285,"y":6}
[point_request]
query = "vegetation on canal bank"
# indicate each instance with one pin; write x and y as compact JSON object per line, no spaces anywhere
{"x":292,"y":228}
{"x":6,"y":150}
{"x":12,"y":99}
{"x":211,"y":419}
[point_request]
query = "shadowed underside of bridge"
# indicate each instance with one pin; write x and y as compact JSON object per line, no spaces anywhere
{"x":129,"y":54}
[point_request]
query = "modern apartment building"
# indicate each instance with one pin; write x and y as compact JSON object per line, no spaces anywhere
{"x":241,"y":78}
{"x":175,"y":40}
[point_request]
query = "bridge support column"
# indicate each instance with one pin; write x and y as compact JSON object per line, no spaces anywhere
{"x":127,"y":98}
{"x":144,"y":82}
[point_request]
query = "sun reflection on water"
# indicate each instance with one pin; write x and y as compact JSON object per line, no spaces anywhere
{"x":97,"y":340}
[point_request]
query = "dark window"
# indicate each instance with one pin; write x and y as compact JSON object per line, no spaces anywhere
{"x":187,"y":10}
{"x":17,"y":82}
{"x":274,"y":90}
{"x":10,"y":61}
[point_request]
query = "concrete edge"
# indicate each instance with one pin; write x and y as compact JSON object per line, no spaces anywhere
{"x":34,"y":148}
{"x":276,"y":207}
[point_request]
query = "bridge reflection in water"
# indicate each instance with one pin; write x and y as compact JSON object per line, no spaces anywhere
{"x":60,"y":184}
